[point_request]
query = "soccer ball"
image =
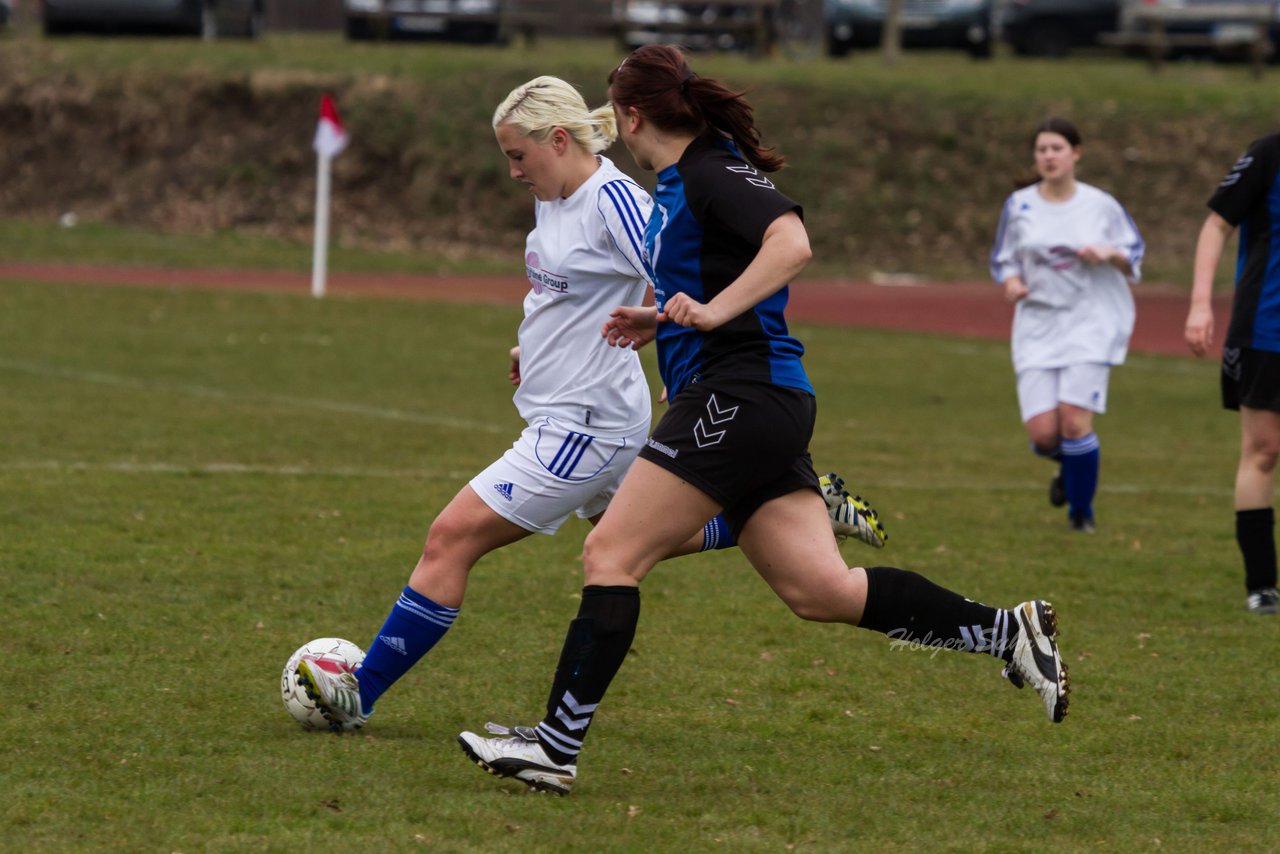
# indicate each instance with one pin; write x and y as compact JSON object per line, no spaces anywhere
{"x":338,"y":652}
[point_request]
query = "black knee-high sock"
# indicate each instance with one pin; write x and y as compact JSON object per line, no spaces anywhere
{"x":594,"y":649}
{"x":1255,"y":533}
{"x":911,"y":609}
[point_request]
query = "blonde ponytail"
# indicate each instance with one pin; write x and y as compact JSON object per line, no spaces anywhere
{"x":545,"y":103}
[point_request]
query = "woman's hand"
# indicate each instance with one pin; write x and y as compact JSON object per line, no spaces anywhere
{"x":1098,"y":254}
{"x":1106,"y":255}
{"x":514,"y":374}
{"x":1015,"y":289}
{"x":1199,"y":329}
{"x":684,"y":310}
{"x":631,"y":326}
{"x":1209,"y":246}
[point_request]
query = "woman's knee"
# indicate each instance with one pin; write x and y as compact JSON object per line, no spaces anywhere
{"x":1043,"y":433}
{"x":817,"y":606}
{"x":596,"y":560}
{"x":442,"y":535}
{"x":608,"y":561}
{"x":812,"y":610}
{"x":455,"y":538}
{"x":1261,"y":447}
{"x":1076,"y":422}
{"x":1263,"y":457}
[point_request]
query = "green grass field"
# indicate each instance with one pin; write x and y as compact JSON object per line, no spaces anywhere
{"x":192,"y":484}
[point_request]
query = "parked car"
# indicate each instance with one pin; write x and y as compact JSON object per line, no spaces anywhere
{"x":473,"y":21}
{"x":1055,"y":27}
{"x":966,"y":24}
{"x":205,"y":18}
{"x":695,"y":26}
{"x":1226,"y":38}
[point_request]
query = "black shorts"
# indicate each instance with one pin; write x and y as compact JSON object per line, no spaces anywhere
{"x":742,"y":442}
{"x":1250,"y":378}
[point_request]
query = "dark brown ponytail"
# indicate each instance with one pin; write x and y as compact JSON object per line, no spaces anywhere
{"x":658,"y":82}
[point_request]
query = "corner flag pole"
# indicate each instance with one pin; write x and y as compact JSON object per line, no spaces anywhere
{"x":320,"y":252}
{"x":330,"y":140}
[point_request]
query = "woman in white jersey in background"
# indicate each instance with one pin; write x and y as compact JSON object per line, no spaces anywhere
{"x":1066,"y":253}
{"x":586,"y":402}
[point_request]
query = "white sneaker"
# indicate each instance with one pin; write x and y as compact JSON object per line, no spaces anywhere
{"x":1264,"y":600}
{"x":520,"y":756}
{"x":335,"y":691}
{"x":1036,"y":659}
{"x":851,"y":516}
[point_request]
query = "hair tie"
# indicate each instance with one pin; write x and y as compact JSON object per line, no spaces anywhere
{"x":684,"y":84}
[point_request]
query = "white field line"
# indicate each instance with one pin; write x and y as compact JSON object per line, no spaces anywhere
{"x":100,"y":378}
{"x":1023,"y":486}
{"x":134,"y":467}
{"x":344,"y":407}
{"x":166,"y":468}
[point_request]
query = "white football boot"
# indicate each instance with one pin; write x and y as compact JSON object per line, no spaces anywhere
{"x":335,"y":691}
{"x":521,"y":756}
{"x":1036,"y":660}
{"x":1264,"y":600}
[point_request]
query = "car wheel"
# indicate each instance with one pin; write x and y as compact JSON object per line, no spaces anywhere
{"x":254,"y":23}
{"x":1048,"y":39}
{"x":837,"y":48}
{"x":980,"y":50}
{"x":358,"y":29}
{"x":208,"y":22}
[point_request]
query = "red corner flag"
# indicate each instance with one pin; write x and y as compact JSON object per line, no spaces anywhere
{"x":331,"y":136}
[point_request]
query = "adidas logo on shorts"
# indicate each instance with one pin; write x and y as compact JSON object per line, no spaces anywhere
{"x":504,"y":489}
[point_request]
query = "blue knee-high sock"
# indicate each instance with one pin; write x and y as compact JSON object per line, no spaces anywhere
{"x":414,"y":625}
{"x":1080,"y":460}
{"x":716,"y":535}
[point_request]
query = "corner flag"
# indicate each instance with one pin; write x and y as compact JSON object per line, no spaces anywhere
{"x":330,"y":140}
{"x":331,"y":136}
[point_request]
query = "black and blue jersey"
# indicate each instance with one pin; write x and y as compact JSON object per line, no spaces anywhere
{"x":711,"y":210}
{"x":1249,"y":197}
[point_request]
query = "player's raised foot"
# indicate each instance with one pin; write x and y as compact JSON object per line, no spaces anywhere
{"x":851,"y":515}
{"x":1057,"y":492}
{"x":520,"y":756}
{"x":1265,"y":600}
{"x":334,"y":689}
{"x":1036,"y":661}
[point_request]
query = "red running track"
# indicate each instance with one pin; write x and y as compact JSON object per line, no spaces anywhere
{"x":973,"y":309}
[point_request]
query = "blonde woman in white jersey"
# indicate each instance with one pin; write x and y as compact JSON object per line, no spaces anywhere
{"x":586,"y":402}
{"x":1066,"y":253}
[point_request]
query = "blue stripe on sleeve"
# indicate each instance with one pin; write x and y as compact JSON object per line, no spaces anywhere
{"x":632,"y":217}
{"x":1000,"y":230}
{"x":1139,"y":250}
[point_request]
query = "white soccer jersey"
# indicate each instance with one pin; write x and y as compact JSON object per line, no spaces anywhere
{"x":1074,"y":312}
{"x":583,"y":259}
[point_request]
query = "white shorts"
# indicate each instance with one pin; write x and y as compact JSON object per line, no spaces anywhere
{"x":555,"y":469}
{"x":1042,"y":389}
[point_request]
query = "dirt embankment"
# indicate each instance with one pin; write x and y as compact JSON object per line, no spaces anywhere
{"x":201,"y":154}
{"x":886,"y":185}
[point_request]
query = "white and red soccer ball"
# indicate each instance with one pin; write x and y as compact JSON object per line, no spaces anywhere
{"x":333,"y":654}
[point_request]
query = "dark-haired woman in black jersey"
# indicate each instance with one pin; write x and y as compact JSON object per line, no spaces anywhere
{"x":722,"y":244}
